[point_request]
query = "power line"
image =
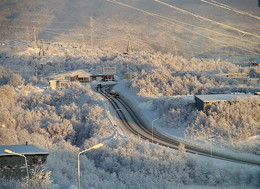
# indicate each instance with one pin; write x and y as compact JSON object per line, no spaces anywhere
{"x":224,"y":6}
{"x":47,"y":22}
{"x":37,"y":28}
{"x":206,"y":19}
{"x":170,"y":20}
{"x":63,"y":29}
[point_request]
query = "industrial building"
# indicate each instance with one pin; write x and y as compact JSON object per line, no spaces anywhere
{"x":63,"y":79}
{"x":103,"y":77}
{"x":80,"y":76}
{"x":12,"y":164}
{"x":240,"y":77}
{"x":205,"y":101}
{"x":233,"y":75}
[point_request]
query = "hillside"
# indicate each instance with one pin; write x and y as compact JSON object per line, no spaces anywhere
{"x":190,"y":28}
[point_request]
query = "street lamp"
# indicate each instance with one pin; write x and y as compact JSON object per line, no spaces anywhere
{"x":118,"y":109}
{"x":14,"y":153}
{"x":152,"y":127}
{"x":211,"y":139}
{"x":94,"y":147}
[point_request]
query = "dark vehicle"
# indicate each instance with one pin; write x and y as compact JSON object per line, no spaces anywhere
{"x":114,"y":94}
{"x":99,"y":86}
{"x":256,"y":63}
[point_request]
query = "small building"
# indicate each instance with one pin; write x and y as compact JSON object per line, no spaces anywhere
{"x":84,"y":77}
{"x":57,"y":83}
{"x":63,"y":79}
{"x":12,"y":165}
{"x":53,"y":84}
{"x":103,"y":77}
{"x":233,"y":75}
{"x":79,"y":75}
{"x":240,"y":77}
{"x":247,"y":80}
{"x":205,"y":101}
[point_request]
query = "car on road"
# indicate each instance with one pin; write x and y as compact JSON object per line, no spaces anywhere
{"x":99,"y":86}
{"x":112,"y":92}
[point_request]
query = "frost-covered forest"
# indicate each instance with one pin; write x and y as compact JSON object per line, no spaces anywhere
{"x":230,"y":122}
{"x":74,"y":118}
{"x":173,"y":51}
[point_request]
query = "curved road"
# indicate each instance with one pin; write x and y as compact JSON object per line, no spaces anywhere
{"x":132,"y":123}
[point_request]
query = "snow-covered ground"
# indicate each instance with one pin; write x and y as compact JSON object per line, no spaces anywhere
{"x":145,"y":109}
{"x":61,"y":108}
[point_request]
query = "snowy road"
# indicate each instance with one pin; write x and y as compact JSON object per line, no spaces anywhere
{"x":132,"y":123}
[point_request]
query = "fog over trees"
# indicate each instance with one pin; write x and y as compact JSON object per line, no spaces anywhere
{"x":73,"y":118}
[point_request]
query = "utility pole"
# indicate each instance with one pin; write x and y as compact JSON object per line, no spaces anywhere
{"x":34,"y":39}
{"x":175,"y":48}
{"x":91,"y":31}
{"x":84,"y":38}
{"x":129,"y":49}
{"x":42,"y":51}
{"x":36,"y":75}
{"x":28,"y":35}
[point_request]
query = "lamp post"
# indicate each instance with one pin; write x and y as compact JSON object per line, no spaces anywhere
{"x":211,"y":139}
{"x":118,"y":109}
{"x":94,"y":147}
{"x":25,"y":160}
{"x":152,"y":127}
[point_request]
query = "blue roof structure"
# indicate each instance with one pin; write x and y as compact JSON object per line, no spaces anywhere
{"x":221,"y":97}
{"x":22,"y":149}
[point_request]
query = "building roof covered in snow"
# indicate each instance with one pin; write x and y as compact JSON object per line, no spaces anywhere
{"x":221,"y":97}
{"x":79,"y":73}
{"x":22,"y":149}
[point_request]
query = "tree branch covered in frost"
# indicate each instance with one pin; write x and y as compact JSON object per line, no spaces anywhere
{"x":231,"y":122}
{"x":71,"y":114}
{"x":69,"y":119}
{"x":60,"y":119}
{"x":175,"y":112}
{"x":158,"y":82}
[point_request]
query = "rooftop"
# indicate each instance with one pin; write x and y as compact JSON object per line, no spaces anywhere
{"x":79,"y":73}
{"x":22,"y":149}
{"x":222,"y":97}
